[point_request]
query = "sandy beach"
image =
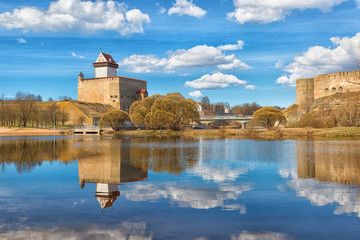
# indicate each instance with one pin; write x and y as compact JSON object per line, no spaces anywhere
{"x":15,"y":131}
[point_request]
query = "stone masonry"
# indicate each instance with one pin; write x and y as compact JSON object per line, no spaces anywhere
{"x":108,"y":88}
{"x":309,"y":89}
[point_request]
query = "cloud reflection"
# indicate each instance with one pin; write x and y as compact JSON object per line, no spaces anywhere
{"x":127,"y":230}
{"x":245,"y":235}
{"x":186,"y":196}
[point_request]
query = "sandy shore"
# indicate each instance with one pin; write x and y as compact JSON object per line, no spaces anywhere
{"x":14,"y":131}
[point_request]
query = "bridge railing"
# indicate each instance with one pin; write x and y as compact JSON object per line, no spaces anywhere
{"x":86,"y":127}
{"x":245,"y":117}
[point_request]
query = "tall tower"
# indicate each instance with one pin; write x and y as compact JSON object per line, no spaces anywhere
{"x":105,"y":66}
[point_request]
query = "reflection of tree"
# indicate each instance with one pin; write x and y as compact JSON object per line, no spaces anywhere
{"x":159,"y":155}
{"x":26,"y":154}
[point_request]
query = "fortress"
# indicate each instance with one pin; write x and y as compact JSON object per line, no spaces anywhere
{"x":310,"y":89}
{"x":108,"y":88}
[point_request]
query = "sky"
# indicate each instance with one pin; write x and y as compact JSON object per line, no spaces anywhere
{"x":235,"y":51}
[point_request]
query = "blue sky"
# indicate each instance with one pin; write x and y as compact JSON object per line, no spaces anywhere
{"x":231,"y":51}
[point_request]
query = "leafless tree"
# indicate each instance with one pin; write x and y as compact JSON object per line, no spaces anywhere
{"x":64,"y":116}
{"x":81,"y":120}
{"x":24,"y":107}
{"x":53,"y":113}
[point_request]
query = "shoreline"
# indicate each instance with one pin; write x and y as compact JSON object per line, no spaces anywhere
{"x":18,"y":131}
{"x":281,"y":133}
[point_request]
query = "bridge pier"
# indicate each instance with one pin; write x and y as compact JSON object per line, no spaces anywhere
{"x":243,"y":125}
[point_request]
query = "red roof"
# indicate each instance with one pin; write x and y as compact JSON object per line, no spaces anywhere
{"x":141,"y":91}
{"x":108,"y":58}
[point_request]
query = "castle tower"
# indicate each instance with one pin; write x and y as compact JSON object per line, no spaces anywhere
{"x":105,"y":66}
{"x":81,"y":76}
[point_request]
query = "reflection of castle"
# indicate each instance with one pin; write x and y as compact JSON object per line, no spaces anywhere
{"x":340,"y":163}
{"x":108,"y":171}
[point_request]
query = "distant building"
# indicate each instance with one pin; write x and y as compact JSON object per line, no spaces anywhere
{"x":108,"y":88}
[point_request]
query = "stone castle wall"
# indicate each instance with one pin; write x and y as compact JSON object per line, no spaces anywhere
{"x":326,"y":84}
{"x":120,"y":92}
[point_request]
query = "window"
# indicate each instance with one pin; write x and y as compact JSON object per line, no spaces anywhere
{"x":341,"y":89}
{"x":111,"y":96}
{"x":333,"y":89}
{"x":326,"y":89}
{"x":114,"y":100}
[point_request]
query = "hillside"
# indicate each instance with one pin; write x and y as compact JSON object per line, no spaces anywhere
{"x":341,"y":109}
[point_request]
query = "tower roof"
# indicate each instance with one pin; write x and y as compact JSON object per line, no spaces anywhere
{"x":105,"y":59}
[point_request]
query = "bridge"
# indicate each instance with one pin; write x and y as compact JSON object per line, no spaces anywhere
{"x":85,"y":130}
{"x":242,"y":119}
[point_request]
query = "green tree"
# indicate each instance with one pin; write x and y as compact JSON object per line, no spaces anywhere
{"x":114,"y":118}
{"x":269,"y":117}
{"x":171,"y":111}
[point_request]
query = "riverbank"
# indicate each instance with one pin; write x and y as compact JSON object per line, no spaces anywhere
{"x":16,"y":131}
{"x":281,"y":133}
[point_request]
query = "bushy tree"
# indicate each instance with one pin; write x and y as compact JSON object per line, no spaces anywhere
{"x":269,"y":117}
{"x":114,"y":118}
{"x":171,"y":111}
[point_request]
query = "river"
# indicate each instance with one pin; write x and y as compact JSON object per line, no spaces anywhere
{"x":178,"y":188}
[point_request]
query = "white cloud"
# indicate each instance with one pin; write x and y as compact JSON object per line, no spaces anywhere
{"x":186,"y":7}
{"x":21,"y":40}
{"x":279,"y":64}
{"x":232,"y":47}
{"x":251,"y":87}
{"x":214,"y":81}
{"x":195,"y":94}
{"x":198,"y":56}
{"x":320,"y":60}
{"x":266,"y":11}
{"x":358,"y":3}
{"x":73,"y":15}
{"x":77,"y":56}
{"x":144,"y":63}
{"x":162,"y":9}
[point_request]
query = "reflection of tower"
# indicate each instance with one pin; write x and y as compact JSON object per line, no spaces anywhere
{"x":306,"y":159}
{"x":337,"y":161}
{"x":108,"y":169}
{"x":106,"y":194}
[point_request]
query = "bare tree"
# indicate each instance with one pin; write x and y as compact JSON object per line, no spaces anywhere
{"x":64,"y":116}
{"x":24,"y":107}
{"x":81,"y":120}
{"x":53,"y":113}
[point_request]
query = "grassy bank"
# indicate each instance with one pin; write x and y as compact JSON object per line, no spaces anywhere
{"x":282,"y":133}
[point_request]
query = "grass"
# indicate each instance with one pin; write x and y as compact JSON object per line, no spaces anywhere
{"x":282,"y":133}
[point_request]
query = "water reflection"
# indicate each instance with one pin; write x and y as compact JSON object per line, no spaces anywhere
{"x":327,"y":173}
{"x":110,"y":169}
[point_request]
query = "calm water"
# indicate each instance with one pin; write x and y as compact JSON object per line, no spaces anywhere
{"x":136,"y":188}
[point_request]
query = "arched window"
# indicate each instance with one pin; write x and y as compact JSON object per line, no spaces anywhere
{"x":326,"y":89}
{"x":333,"y":89}
{"x":341,"y":89}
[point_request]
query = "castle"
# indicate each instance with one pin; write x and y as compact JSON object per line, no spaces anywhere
{"x":108,"y":88}
{"x":310,"y":89}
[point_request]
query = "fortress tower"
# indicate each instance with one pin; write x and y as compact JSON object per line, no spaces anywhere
{"x":105,"y":66}
{"x":108,"y":88}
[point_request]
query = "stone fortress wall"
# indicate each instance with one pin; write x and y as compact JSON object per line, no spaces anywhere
{"x":120,"y":92}
{"x":309,"y":89}
{"x":108,"y":88}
